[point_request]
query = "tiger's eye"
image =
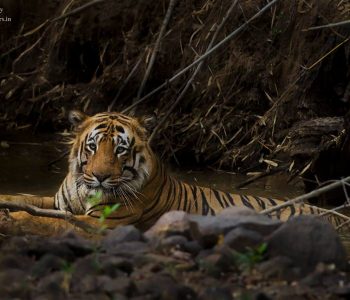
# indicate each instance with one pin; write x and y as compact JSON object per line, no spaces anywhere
{"x":120,"y":150}
{"x":92,"y":146}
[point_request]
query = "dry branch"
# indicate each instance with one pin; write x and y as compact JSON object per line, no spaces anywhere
{"x":304,"y":197}
{"x":156,"y":47}
{"x":189,"y":82}
{"x":328,"y":25}
{"x":49,"y":213}
{"x":77,"y":10}
{"x":110,"y":106}
{"x":204,"y":56}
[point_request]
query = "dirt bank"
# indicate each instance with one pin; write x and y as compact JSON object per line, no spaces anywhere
{"x":241,"y":106}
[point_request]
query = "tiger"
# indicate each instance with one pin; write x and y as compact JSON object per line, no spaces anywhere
{"x":111,"y":157}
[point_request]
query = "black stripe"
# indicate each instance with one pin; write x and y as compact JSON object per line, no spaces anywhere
{"x":205,"y":205}
{"x":119,"y":128}
{"x":260,"y":202}
{"x":292,"y":210}
{"x":100,"y":126}
{"x":186,"y":198}
{"x":157,"y":214}
{"x":224,"y":200}
{"x":272,"y":201}
{"x":232,"y":202}
{"x":179,"y":200}
{"x":217,"y":196}
{"x":157,"y":198}
{"x":246,"y":202}
{"x":65,"y":200}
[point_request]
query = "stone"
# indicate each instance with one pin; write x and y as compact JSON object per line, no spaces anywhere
{"x":173,"y":223}
{"x":47,"y":264}
{"x":120,"y":285}
{"x":90,"y":284}
{"x":225,"y":222}
{"x":162,"y":286}
{"x":13,"y":283}
{"x":175,"y":241}
{"x":119,"y":235}
{"x":240,"y":239}
{"x":51,"y":284}
{"x":213,"y":264}
{"x":100,"y":263}
{"x":279,"y":267}
{"x":132,"y":248}
{"x":192,"y":247}
{"x":215,"y":293}
{"x":115,"y":266}
{"x":76,"y":243}
{"x":15,"y":261}
{"x":307,"y":241}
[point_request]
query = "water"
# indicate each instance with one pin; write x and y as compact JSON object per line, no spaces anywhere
{"x":25,"y":163}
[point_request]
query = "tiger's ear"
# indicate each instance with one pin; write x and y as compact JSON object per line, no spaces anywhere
{"x":77,"y":117}
{"x":148,"y":122}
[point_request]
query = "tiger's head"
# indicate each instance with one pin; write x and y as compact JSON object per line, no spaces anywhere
{"x":110,"y":152}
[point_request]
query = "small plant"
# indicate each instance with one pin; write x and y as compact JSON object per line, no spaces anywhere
{"x":248,"y":259}
{"x":95,"y":199}
{"x":68,"y":270}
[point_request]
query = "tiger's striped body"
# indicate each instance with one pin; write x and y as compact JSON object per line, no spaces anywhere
{"x":111,"y":154}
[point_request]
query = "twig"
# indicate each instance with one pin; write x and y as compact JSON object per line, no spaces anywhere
{"x":328,"y":25}
{"x":28,"y":49}
{"x":110,"y":106}
{"x":189,"y":82}
{"x":77,"y":10}
{"x":304,"y":197}
{"x":62,"y":155}
{"x":156,"y":47}
{"x":49,"y":213}
{"x":259,"y":176}
{"x":328,"y":53}
{"x":204,"y":56}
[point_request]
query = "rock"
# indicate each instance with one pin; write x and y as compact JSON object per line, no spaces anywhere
{"x":215,"y":293}
{"x":192,"y":247}
{"x":90,"y":296}
{"x":119,"y":235}
{"x":76,"y":243}
{"x":14,"y":261}
{"x":39,"y":246}
{"x":234,"y":211}
{"x":213,"y":264}
{"x":100,"y":263}
{"x":115,"y":266}
{"x":210,"y":227}
{"x":175,"y":241}
{"x":14,"y":284}
{"x":51,"y":285}
{"x":173,"y":223}
{"x":279,"y":267}
{"x":47,"y":264}
{"x":129,"y":248}
{"x":90,"y":284}
{"x":307,"y":241}
{"x":163,"y":287}
{"x":120,"y":285}
{"x":240,"y":239}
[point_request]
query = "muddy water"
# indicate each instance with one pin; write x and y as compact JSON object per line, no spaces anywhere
{"x":25,"y":163}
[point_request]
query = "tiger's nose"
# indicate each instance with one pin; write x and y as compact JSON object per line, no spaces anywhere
{"x":101,"y":177}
